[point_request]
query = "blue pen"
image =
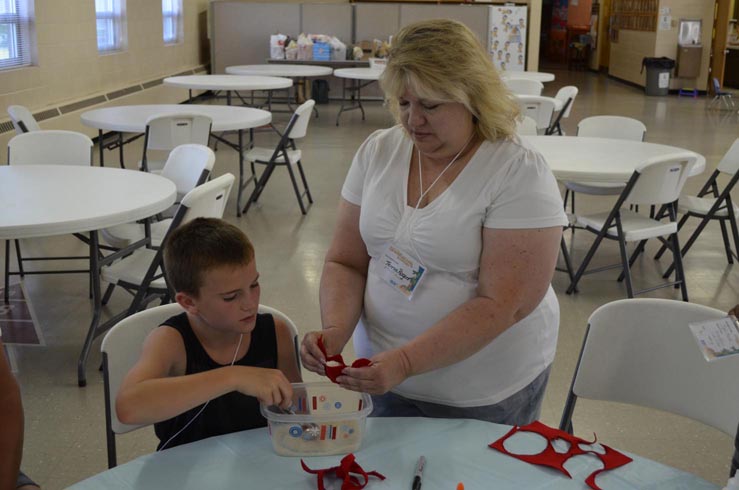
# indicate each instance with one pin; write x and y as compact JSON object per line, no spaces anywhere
{"x":419,"y":474}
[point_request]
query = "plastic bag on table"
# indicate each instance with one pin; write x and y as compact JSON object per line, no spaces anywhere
{"x":338,"y":50}
{"x":277,"y":46}
{"x":305,"y":48}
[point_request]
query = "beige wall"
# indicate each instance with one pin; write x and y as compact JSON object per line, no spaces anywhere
{"x":69,"y":67}
{"x":626,"y":55}
{"x":666,"y":42}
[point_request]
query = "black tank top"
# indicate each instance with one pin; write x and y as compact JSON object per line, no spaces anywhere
{"x":228,"y":413}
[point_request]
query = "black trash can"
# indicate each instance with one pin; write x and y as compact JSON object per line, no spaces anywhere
{"x":658,"y":75}
{"x":319,"y":91}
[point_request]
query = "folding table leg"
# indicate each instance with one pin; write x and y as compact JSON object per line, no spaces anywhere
{"x":97,"y":309}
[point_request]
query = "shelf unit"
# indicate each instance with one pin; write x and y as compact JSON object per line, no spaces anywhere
{"x":635,"y":15}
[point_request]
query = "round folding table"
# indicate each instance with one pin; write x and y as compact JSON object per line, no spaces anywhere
{"x":301,"y":72}
{"x":358,"y":79}
{"x":456,"y":450}
{"x":132,"y":119}
{"x":48,"y":200}
{"x":584,"y":159}
{"x":228,"y":84}
{"x":538,"y":76}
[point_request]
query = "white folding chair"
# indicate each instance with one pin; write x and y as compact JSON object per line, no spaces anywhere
{"x":719,"y":206}
{"x":285,"y":154}
{"x":139,"y":269}
{"x":46,"y":147}
{"x":188,"y":166}
{"x":523,"y":86}
{"x":566,"y":95}
{"x":526,"y":126}
{"x":121,"y":349}
{"x":617,"y":127}
{"x":538,"y":108}
{"x":165,"y":132}
{"x":50,"y":147}
{"x":658,"y":181}
{"x":23,"y":120}
{"x":641,"y":352}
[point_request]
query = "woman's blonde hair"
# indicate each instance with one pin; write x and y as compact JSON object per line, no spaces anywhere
{"x":442,"y":60}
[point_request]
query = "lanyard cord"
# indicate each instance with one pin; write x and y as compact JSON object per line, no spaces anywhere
{"x":423,"y":193}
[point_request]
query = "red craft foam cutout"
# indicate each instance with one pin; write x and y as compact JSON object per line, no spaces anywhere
{"x":334,"y":372}
{"x":346,"y":471}
{"x":549,"y":457}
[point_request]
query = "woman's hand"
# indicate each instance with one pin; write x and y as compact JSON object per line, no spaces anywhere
{"x":388,"y":369}
{"x":312,"y":357}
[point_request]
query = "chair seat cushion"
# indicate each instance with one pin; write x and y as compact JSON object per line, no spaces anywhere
{"x":701,"y":206}
{"x":596,"y":188}
{"x":132,"y":269}
{"x":260,"y":154}
{"x":121,"y":236}
{"x":636,"y":226}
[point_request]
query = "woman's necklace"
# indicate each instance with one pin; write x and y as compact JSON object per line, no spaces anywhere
{"x":448,"y":166}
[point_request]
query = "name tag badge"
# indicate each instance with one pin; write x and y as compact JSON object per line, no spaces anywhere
{"x":401,"y":272}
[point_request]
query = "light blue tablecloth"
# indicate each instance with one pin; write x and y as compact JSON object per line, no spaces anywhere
{"x":456,"y":451}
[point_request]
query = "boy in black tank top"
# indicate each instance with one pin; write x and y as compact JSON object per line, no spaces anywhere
{"x":204,"y":372}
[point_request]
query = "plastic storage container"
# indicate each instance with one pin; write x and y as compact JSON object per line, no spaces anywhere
{"x":327,"y":420}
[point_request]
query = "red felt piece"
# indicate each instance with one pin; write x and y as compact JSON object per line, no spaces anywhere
{"x":346,"y":470}
{"x":549,"y":457}
{"x":334,"y":372}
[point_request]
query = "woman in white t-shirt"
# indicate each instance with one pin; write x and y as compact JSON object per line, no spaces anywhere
{"x":445,"y":246}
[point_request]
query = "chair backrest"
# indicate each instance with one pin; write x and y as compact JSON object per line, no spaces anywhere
{"x":290,"y":325}
{"x":189,"y":166}
{"x":168,"y":131}
{"x":526,"y":126}
{"x":302,"y":116}
{"x":524,"y":86}
{"x":538,"y":108}
{"x":618,"y":127}
{"x":207,"y":200}
{"x":716,"y":86}
{"x":564,"y":94}
{"x":661,"y":179}
{"x":50,"y":147}
{"x":23,"y":120}
{"x":121,"y":349}
{"x":730,"y":162}
{"x":641,"y":351}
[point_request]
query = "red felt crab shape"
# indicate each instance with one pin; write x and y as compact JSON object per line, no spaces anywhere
{"x":549,"y":457}
{"x":345,"y":471}
{"x":335,"y":370}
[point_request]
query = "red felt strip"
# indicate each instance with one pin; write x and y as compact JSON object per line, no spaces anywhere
{"x":346,"y":470}
{"x":334,"y":371}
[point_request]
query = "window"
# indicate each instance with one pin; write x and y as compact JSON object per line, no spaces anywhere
{"x":111,"y":25}
{"x":172,"y":21}
{"x":15,"y":34}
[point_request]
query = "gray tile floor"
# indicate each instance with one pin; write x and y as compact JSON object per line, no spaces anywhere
{"x":64,"y":424}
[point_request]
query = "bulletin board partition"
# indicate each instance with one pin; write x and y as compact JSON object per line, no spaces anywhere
{"x":239,"y":31}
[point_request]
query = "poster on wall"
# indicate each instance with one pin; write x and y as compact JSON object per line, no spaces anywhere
{"x":507,"y":27}
{"x":559,"y":15}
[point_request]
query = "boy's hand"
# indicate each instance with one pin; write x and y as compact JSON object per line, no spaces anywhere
{"x":734,"y":311}
{"x":269,"y":386}
{"x":311,"y":355}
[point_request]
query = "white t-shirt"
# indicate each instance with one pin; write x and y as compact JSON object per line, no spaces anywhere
{"x":506,"y":185}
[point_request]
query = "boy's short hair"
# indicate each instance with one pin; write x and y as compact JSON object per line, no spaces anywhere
{"x":199,"y":246}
